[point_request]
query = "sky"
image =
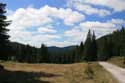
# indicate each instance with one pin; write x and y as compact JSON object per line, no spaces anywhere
{"x":62,"y":22}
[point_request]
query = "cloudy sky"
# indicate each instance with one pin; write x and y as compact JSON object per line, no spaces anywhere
{"x":62,"y":22}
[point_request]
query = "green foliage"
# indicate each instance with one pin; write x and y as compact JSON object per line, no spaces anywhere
{"x":104,"y":55}
{"x":90,"y":48}
{"x":111,"y":45}
{"x":44,"y":54}
{"x":3,"y":33}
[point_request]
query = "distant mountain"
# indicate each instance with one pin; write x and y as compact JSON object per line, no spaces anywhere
{"x":50,"y":49}
{"x":60,"y":49}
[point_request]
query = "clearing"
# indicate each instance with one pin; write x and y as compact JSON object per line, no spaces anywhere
{"x":53,"y":73}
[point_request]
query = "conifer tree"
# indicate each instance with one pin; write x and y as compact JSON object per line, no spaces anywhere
{"x":93,"y":48}
{"x":81,"y":51}
{"x":87,"y":47}
{"x":44,"y":53}
{"x":122,"y":43}
{"x":4,"y":49}
{"x":104,"y":54}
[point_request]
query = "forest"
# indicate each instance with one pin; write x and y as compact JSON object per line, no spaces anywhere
{"x":93,"y":49}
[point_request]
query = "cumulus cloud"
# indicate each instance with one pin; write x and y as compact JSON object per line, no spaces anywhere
{"x":42,"y":20}
{"x":47,"y":29}
{"x":24,"y":19}
{"x":70,"y":17}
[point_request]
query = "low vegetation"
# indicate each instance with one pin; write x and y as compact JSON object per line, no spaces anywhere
{"x":89,"y":73}
{"x":117,"y":61}
{"x":53,"y":73}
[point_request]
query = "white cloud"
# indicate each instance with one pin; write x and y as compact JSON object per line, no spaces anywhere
{"x":75,"y":34}
{"x":23,"y":19}
{"x":26,"y":37}
{"x":35,"y":17}
{"x":46,"y":30}
{"x":96,"y":24}
{"x":116,"y":5}
{"x":118,"y":21}
{"x":79,"y":33}
{"x":88,"y":9}
{"x":70,"y":17}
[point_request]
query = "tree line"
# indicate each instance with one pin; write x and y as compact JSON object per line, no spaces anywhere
{"x":91,"y":50}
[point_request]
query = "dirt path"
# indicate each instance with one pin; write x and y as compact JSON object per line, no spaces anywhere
{"x":117,"y":72}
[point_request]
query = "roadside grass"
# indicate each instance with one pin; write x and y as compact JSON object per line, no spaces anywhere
{"x":53,"y":73}
{"x":117,"y":61}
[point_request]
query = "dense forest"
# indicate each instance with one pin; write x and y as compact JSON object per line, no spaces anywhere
{"x":92,"y":49}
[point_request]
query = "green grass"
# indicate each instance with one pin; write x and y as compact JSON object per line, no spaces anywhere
{"x":53,"y":73}
{"x":119,"y":61}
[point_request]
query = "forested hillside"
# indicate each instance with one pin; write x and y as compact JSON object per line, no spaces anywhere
{"x":92,"y":50}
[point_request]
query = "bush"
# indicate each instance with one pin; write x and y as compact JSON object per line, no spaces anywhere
{"x":89,"y":73}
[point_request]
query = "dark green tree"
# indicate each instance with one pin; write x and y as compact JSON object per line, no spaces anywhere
{"x":93,"y":48}
{"x":122,"y":43}
{"x":87,"y":47}
{"x":44,"y":54}
{"x":104,"y":54}
{"x":80,"y":51}
{"x":4,"y":47}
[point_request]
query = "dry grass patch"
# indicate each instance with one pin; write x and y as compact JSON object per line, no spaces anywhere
{"x":117,"y":61}
{"x":56,"y":73}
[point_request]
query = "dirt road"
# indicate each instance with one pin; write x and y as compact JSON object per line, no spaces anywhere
{"x":117,"y":72}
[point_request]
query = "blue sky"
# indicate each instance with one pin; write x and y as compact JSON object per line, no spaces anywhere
{"x":62,"y":22}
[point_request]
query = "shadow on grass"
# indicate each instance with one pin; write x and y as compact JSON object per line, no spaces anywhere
{"x":24,"y":77}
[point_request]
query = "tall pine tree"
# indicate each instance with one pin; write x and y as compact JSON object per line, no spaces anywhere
{"x":4,"y":49}
{"x":87,"y":47}
{"x":90,"y":47}
{"x":93,"y":48}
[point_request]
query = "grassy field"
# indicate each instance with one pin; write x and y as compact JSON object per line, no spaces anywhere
{"x":117,"y":61}
{"x":52,"y":73}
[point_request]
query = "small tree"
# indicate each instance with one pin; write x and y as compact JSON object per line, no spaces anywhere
{"x":44,"y":53}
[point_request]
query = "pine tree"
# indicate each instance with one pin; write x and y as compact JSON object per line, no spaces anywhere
{"x":104,"y":55}
{"x":3,"y":33}
{"x":87,"y":47}
{"x":81,"y":51}
{"x":93,"y":48}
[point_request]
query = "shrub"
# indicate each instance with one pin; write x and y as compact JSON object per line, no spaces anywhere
{"x":89,"y":73}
